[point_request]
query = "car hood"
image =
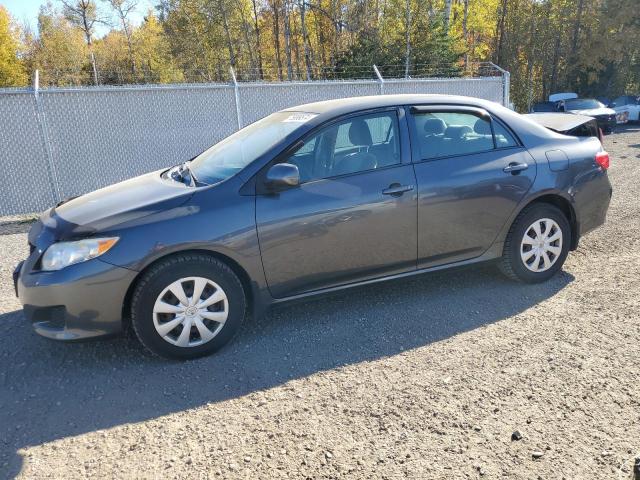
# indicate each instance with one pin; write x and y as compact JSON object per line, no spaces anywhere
{"x":110,"y":206}
{"x":592,"y":112}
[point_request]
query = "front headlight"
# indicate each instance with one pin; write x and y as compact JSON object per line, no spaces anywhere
{"x":63,"y":254}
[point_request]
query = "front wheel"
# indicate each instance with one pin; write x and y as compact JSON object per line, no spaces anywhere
{"x":187,"y":306}
{"x":537,"y":244}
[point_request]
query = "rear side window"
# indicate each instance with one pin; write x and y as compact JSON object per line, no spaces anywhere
{"x":445,"y":134}
{"x":442,"y":134}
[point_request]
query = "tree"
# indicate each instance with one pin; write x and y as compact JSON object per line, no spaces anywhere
{"x":123,"y":9}
{"x":12,"y":71}
{"x":407,"y":36}
{"x":84,"y":14}
{"x":153,"y":53}
{"x":112,"y":54}
{"x":257,"y":34}
{"x":59,"y":51}
{"x":275,"y":7}
{"x":588,"y":46}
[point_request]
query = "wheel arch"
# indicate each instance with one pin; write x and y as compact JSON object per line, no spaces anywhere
{"x":563,"y":204}
{"x":240,"y":271}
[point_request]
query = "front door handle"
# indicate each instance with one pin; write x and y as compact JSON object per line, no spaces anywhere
{"x":515,"y":168}
{"x":395,"y":189}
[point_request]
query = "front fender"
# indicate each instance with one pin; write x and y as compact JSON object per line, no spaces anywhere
{"x":216,"y":220}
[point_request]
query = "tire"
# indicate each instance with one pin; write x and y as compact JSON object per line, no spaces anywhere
{"x":520,"y":255}
{"x":159,"y":318}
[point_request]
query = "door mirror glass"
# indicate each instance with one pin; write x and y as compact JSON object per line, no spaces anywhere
{"x":283,"y":175}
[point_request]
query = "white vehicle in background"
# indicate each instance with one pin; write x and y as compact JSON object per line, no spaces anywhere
{"x":629,"y":104}
{"x":569,"y":102}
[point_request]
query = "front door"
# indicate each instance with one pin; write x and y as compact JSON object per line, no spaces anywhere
{"x":353,"y":217}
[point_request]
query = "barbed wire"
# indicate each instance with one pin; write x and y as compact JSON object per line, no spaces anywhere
{"x":268,"y":73}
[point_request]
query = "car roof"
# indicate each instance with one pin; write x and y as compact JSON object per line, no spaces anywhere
{"x":343,"y":106}
{"x":529,"y":132}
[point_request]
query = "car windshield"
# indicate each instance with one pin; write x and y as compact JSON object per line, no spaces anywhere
{"x":582,"y":104}
{"x":229,"y":156}
{"x":544,"y":107}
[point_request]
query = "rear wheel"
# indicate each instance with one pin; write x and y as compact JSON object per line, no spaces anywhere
{"x":537,"y":244}
{"x":187,"y":306}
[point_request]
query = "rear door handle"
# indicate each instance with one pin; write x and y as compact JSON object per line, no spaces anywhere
{"x":515,"y":168}
{"x":395,"y":189}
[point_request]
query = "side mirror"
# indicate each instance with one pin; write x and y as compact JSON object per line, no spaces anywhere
{"x":283,"y":175}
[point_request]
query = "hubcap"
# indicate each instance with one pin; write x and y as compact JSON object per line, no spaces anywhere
{"x":190,"y":312}
{"x":541,"y":245}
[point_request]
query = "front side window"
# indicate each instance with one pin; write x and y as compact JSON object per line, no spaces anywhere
{"x":443,"y":134}
{"x":357,"y":144}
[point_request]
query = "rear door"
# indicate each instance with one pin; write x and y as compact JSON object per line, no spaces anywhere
{"x":471,"y":173}
{"x":354,"y":215}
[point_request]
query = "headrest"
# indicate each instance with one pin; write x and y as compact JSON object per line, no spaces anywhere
{"x":482,"y":127}
{"x":434,"y":126}
{"x":359,"y":133}
{"x":457,"y":131}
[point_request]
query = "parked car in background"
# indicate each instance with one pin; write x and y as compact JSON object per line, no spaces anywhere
{"x":544,"y":107}
{"x":574,"y":125}
{"x":605,"y":116}
{"x":629,"y":104}
{"x":306,"y":201}
{"x":556,"y":97}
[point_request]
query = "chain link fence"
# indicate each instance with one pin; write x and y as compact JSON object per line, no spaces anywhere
{"x":60,"y":142}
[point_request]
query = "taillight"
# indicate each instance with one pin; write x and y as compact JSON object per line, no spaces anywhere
{"x":602,"y":159}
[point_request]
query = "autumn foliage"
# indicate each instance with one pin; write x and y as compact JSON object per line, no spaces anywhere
{"x":588,"y":46}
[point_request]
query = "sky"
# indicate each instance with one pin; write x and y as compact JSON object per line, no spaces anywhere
{"x":26,"y":11}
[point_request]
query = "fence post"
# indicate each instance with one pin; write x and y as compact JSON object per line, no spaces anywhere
{"x":380,"y":79}
{"x":44,"y":136}
{"x":236,"y":93}
{"x":506,"y":83}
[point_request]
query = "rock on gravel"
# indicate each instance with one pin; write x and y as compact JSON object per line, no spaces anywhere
{"x":387,"y":381}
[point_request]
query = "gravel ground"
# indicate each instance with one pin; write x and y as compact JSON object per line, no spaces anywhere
{"x":420,"y":378}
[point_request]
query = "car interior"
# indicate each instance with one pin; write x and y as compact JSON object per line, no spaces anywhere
{"x":445,"y":134}
{"x":356,"y":145}
{"x":372,"y":141}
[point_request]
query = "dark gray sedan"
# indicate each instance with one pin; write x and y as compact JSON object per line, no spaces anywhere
{"x":309,"y":200}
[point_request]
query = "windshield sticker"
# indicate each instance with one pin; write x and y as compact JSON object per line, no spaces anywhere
{"x":300,"y":117}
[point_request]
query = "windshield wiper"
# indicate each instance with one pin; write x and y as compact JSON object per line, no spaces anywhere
{"x":183,"y":173}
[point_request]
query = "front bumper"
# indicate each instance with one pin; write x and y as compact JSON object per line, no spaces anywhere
{"x":78,"y":302}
